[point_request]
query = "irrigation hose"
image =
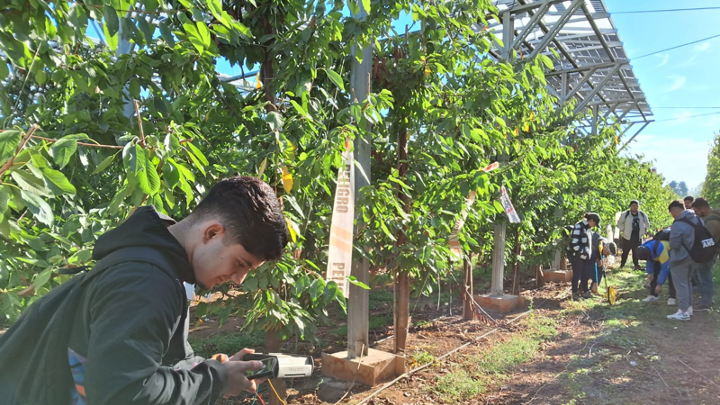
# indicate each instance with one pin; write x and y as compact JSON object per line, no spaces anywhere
{"x":416,"y":369}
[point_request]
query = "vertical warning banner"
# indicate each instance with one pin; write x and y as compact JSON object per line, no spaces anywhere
{"x":341,"y":227}
{"x":507,"y":204}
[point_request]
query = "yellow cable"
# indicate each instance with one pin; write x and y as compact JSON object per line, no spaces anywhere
{"x":276,"y":394}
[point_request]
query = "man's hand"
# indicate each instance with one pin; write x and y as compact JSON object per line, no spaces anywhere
{"x":658,"y":289}
{"x":236,"y":368}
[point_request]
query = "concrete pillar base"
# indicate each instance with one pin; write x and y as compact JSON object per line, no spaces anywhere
{"x":557,"y":276}
{"x":375,"y":368}
{"x":503,"y":304}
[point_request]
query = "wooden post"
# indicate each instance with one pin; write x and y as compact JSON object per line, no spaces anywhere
{"x":273,"y":345}
{"x":498,"y":258}
{"x":467,"y":288}
{"x":402,"y":276}
{"x":539,"y":279}
{"x":359,"y":300}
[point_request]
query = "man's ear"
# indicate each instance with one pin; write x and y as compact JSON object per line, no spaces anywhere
{"x":213,"y":230}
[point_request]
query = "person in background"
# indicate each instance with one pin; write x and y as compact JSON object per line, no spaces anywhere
{"x":682,"y":265}
{"x":687,"y":201}
{"x":704,"y":272}
{"x":580,"y":255}
{"x":633,"y":224}
{"x":656,"y":253}
{"x":602,"y":248}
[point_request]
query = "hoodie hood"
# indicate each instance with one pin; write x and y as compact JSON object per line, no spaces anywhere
{"x":689,"y":214}
{"x":147,"y":228}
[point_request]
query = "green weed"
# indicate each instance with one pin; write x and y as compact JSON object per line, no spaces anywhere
{"x":423,"y":357}
{"x":459,"y":385}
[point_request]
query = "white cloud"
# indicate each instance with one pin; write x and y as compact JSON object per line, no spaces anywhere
{"x":678,"y":83}
{"x":676,"y":157}
{"x":689,"y":62}
{"x":702,"y":47}
{"x":665,"y":58}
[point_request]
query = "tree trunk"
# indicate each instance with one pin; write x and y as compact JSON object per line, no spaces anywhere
{"x":539,"y":279}
{"x":402,"y":308}
{"x":467,"y":288}
{"x":273,"y":345}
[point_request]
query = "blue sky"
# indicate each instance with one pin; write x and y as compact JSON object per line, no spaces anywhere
{"x":684,"y":77}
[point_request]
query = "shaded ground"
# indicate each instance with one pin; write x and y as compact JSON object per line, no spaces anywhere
{"x":563,"y":352}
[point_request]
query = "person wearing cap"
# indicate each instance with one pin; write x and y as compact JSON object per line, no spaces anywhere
{"x":656,"y":254}
{"x":704,"y":271}
{"x":633,"y":224}
{"x":580,"y":255}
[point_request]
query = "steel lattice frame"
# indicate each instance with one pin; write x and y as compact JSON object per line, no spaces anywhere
{"x":589,"y":61}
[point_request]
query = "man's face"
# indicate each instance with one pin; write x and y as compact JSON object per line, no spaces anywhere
{"x":215,"y":261}
{"x":688,"y":204}
{"x":592,"y":223}
{"x":675,"y":212}
{"x":633,"y":208}
{"x":704,"y":211}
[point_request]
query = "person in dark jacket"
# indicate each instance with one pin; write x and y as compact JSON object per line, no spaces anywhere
{"x":117,"y":334}
{"x":682,"y":265}
{"x":580,"y":255}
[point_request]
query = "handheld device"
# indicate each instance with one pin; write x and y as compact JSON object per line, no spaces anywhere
{"x":277,"y":365}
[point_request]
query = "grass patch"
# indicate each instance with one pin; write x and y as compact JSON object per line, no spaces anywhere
{"x":422,"y":357}
{"x":380,"y":298}
{"x":504,"y":356}
{"x":228,"y":343}
{"x":459,"y":385}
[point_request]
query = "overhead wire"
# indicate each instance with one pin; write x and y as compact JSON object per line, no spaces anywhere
{"x":689,"y":116}
{"x":665,"y":10}
{"x":676,"y":47}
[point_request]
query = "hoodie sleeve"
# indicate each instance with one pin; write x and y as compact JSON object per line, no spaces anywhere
{"x":621,"y":223}
{"x":133,"y":314}
{"x":576,"y":239}
{"x":647,"y":221}
{"x":676,"y":237}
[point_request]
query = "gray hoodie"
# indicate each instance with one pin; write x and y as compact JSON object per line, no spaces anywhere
{"x":682,"y":237}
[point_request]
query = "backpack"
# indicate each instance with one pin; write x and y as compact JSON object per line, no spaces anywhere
{"x":703,"y":249}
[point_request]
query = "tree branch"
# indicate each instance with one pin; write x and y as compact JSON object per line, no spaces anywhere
{"x":22,"y":144}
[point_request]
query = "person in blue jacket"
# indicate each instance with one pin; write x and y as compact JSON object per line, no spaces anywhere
{"x":656,"y":254}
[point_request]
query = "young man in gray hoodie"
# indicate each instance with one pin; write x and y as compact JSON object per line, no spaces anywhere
{"x":682,"y":236}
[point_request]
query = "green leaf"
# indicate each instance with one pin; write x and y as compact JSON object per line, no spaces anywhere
{"x":335,"y":78}
{"x":9,"y":141}
{"x":354,"y":281}
{"x":62,"y":150}
{"x":195,"y":151}
{"x":104,"y":164}
{"x":80,"y":257}
{"x":42,"y":278}
{"x":56,"y":180}
{"x":166,"y":34}
{"x":275,"y":121}
{"x":112,"y":22}
{"x":4,"y":198}
{"x":204,"y":34}
{"x":4,"y":70}
{"x":41,"y":77}
{"x":366,"y":5}
{"x":30,"y":183}
{"x":215,"y":7}
{"x":194,"y":37}
{"x":39,"y":208}
{"x":299,"y":109}
{"x":112,"y":40}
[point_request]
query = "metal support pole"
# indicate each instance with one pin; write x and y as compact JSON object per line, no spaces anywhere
{"x":359,"y":300}
{"x":597,"y":89}
{"x":508,"y":32}
{"x":498,"y":258}
{"x":633,"y":137}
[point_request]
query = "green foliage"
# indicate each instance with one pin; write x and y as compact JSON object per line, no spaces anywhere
{"x":441,"y":109}
{"x":711,"y":187}
{"x":227,"y":343}
{"x":458,"y":384}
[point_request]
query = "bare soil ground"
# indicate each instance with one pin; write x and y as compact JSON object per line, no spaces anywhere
{"x":589,"y":353}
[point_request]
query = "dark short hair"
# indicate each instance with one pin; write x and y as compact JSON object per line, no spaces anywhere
{"x":250,"y":212}
{"x":634,"y":202}
{"x":700,"y":203}
{"x":643,"y":252}
{"x":676,"y":204}
{"x":595,"y":217}
{"x":689,"y":198}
